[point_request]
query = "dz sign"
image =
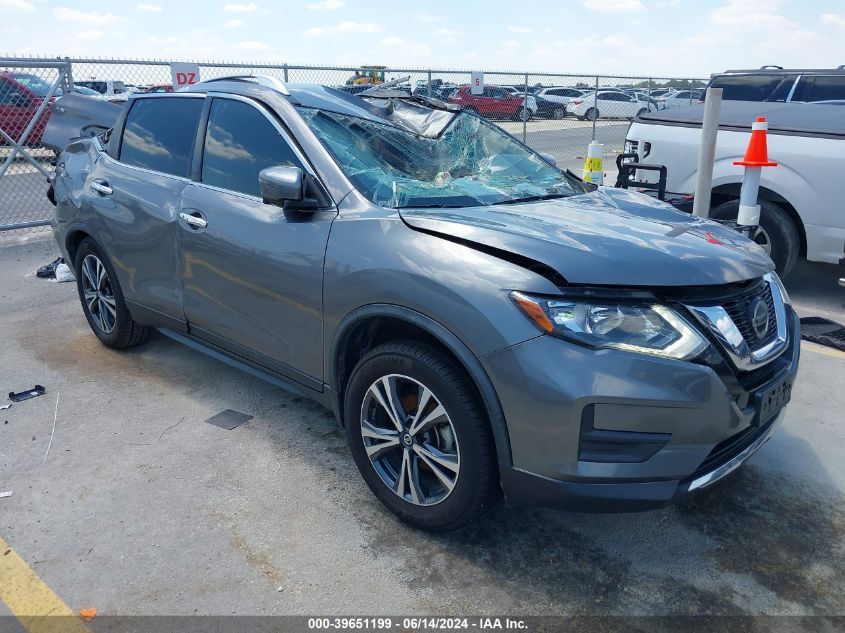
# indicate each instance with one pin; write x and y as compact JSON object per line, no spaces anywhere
{"x":182,"y":74}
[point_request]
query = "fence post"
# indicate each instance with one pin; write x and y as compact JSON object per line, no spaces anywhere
{"x":428,"y":84}
{"x":525,"y":112}
{"x":286,"y":72}
{"x":595,"y":107}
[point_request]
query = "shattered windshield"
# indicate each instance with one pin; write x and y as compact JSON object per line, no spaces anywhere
{"x":472,"y":162}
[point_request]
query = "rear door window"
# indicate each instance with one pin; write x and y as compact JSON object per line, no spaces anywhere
{"x":239,"y":142}
{"x":763,"y":87}
{"x":159,"y":134}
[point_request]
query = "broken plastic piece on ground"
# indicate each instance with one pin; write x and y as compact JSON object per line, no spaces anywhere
{"x":48,"y":271}
{"x":5,"y":406}
{"x":36,"y":391}
{"x":88,"y":614}
{"x":7,"y":493}
{"x":823,"y":332}
{"x":229,"y":419}
{"x":64,"y":273}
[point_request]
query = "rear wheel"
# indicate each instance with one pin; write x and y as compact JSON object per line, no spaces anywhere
{"x":522,"y":114}
{"x":777,"y":233}
{"x":102,"y":299}
{"x":592,"y":114}
{"x":420,"y":437}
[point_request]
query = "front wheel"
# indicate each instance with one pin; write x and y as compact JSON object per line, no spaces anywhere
{"x":592,"y":114}
{"x":102,"y":299}
{"x":522,"y":114}
{"x":420,"y":437}
{"x":559,"y":113}
{"x":777,"y":233}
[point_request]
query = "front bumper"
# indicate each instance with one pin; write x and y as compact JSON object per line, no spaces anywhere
{"x":692,"y":424}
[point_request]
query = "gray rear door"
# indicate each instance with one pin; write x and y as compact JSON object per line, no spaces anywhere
{"x":252,"y":277}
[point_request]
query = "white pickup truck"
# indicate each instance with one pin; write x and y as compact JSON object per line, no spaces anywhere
{"x":802,"y":199}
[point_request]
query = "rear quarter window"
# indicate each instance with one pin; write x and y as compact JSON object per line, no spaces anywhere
{"x":159,"y":134}
{"x":764,"y":87}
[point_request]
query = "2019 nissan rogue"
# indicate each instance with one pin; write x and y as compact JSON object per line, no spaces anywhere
{"x":478,"y":320}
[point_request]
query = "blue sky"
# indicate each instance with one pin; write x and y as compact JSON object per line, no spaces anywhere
{"x":634,"y":37}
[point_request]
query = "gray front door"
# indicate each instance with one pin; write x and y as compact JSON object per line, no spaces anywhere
{"x":253,"y":275}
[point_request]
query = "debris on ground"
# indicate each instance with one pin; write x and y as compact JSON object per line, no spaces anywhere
{"x":824,"y":332}
{"x":36,"y":391}
{"x":5,"y":406}
{"x":88,"y":614}
{"x":64,"y":273}
{"x":229,"y":419}
{"x":55,"y":416}
{"x":48,"y":271}
{"x":7,"y":493}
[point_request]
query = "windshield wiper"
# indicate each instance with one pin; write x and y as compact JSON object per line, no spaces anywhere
{"x":436,"y":205}
{"x":548,"y":196}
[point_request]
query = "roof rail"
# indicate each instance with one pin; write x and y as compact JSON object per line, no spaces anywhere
{"x":263,"y":80}
{"x":771,"y":66}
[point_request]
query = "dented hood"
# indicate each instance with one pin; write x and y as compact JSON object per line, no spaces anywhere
{"x":611,"y":237}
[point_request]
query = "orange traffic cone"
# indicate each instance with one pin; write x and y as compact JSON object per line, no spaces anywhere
{"x":757,"y":154}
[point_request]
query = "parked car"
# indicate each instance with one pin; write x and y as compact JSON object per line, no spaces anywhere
{"x":21,"y":94}
{"x":801,"y":212}
{"x":108,"y":87}
{"x":478,"y":320}
{"x":560,"y":96}
{"x":495,"y":102}
{"x":609,"y":104}
{"x":530,"y":99}
{"x":680,"y":98}
{"x":773,"y":83}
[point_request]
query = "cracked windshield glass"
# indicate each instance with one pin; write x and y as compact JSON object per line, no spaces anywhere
{"x":470,"y":163}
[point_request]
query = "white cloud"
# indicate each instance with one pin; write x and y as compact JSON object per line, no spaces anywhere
{"x":427,"y":17}
{"x":515,"y":28}
{"x":404,"y":48}
{"x":235,"y":23}
{"x":613,"y":6}
{"x":833,"y":19}
{"x":63,"y":14}
{"x":749,"y":13}
{"x":16,"y":5}
{"x":448,"y":35}
{"x":150,"y":8}
{"x":343,"y":28}
{"x":252,"y":45}
{"x":512,"y":44}
{"x":326,"y":5}
{"x":241,"y":8}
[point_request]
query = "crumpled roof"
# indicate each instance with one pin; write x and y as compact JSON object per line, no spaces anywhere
{"x":408,"y":115}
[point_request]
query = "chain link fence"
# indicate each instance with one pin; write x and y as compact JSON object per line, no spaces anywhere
{"x":558,"y":114}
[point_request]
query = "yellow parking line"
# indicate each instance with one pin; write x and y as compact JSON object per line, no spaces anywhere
{"x":30,"y":600}
{"x":821,"y":349}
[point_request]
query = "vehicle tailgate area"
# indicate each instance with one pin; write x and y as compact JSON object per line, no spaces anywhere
{"x":143,"y":508}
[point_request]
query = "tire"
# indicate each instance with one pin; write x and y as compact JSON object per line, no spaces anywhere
{"x":114,"y":327}
{"x":462,"y":437}
{"x":522,"y":112}
{"x":592,"y":114}
{"x":558,"y":113}
{"x":641,"y":112}
{"x":778,"y":232}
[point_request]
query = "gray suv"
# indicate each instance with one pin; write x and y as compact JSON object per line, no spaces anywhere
{"x":479,"y":321}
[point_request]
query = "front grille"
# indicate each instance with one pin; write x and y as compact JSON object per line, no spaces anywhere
{"x":739,"y":310}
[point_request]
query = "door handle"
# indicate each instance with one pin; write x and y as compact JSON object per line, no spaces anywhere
{"x":101,"y":187}
{"x":193,"y":220}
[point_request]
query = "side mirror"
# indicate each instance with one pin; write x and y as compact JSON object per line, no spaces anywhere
{"x":551,"y":160}
{"x":291,"y":188}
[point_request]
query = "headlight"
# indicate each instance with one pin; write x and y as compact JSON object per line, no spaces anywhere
{"x":644,"y":328}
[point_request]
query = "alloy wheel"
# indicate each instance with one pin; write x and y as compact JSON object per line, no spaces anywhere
{"x":410,"y":440}
{"x":98,"y":294}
